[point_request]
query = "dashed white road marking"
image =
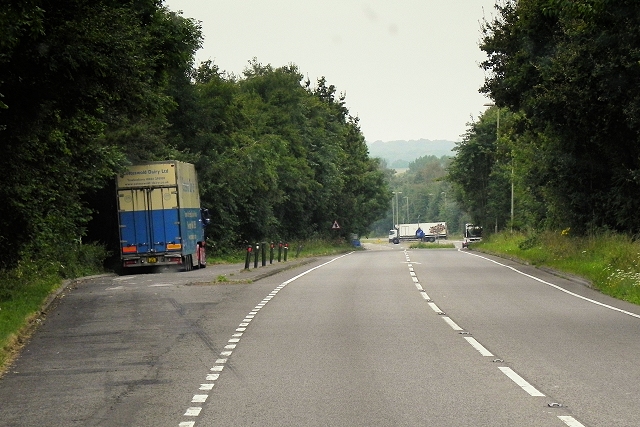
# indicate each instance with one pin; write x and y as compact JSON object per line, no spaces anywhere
{"x":570,"y":421}
{"x":193,"y":411}
{"x":220,"y":363}
{"x":451,"y":323}
{"x":475,"y":344}
{"x":434,"y":307}
{"x":521,"y":382}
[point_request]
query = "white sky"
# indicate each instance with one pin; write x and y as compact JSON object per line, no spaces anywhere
{"x":409,"y":68}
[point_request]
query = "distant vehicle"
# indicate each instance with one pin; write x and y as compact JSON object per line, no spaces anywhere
{"x":160,"y":217}
{"x":472,"y":233}
{"x":424,"y":232}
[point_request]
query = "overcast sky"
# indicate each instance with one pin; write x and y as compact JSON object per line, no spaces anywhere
{"x":409,"y":68}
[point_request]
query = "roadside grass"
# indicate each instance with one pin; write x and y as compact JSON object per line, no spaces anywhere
{"x":611,"y":262}
{"x":426,"y":245}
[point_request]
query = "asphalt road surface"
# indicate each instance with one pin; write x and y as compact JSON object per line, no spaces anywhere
{"x":380,"y":337}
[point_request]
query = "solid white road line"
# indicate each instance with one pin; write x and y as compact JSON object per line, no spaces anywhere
{"x":610,"y":307}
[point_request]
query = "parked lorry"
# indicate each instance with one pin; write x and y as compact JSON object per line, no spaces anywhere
{"x":426,"y":232}
{"x":472,"y":233}
{"x":160,"y":217}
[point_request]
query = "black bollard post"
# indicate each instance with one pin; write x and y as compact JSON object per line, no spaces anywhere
{"x":279,"y":251}
{"x":286,"y":249}
{"x":264,"y":253}
{"x":247,"y":259}
{"x":255,"y":255}
{"x":271,"y":253}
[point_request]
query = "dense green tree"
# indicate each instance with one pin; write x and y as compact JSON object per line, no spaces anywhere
{"x":570,"y":68}
{"x":277,"y":158}
{"x":82,"y":85}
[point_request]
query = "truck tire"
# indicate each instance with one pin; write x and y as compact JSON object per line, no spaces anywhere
{"x":187,"y":262}
{"x":396,"y":241}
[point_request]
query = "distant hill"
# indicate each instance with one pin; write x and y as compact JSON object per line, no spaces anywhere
{"x":398,"y":154}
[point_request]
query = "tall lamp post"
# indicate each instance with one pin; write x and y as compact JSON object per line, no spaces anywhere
{"x":512,"y":172}
{"x":397,"y":212}
{"x":407,"y":198}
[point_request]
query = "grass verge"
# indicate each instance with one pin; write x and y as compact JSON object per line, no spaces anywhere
{"x":426,"y":245}
{"x":611,"y":262}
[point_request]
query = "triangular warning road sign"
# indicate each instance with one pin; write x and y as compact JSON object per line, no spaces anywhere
{"x":335,"y":225}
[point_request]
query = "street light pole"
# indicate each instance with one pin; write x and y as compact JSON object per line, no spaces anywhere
{"x":512,"y":171}
{"x":397,"y":207}
{"x":393,"y":212}
{"x":407,"y":198}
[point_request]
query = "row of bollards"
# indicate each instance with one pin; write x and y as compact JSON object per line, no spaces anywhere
{"x":261,"y":248}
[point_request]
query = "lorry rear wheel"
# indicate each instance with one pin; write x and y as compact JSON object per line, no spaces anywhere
{"x":188,"y":264}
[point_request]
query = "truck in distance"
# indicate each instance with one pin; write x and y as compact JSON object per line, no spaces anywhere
{"x":160,"y":217}
{"x":472,"y":233}
{"x":425,"y":232}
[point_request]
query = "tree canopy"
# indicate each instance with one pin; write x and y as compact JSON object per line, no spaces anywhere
{"x":87,"y":87}
{"x":566,"y":72}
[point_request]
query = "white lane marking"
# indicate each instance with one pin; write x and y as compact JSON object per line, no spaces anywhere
{"x":115,"y":288}
{"x":434,"y":307}
{"x":201,"y":398}
{"x":521,"y":382}
{"x":425,"y":296}
{"x":314,"y":268}
{"x":415,"y":279}
{"x":419,"y":286}
{"x":475,"y":344}
{"x":193,"y":412}
{"x":610,"y":307}
{"x":119,"y":279}
{"x":570,"y":421}
{"x":451,"y":323}
{"x":161,"y":285}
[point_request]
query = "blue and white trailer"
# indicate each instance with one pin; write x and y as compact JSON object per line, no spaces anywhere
{"x":160,"y":217}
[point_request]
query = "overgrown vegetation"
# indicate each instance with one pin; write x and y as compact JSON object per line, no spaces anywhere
{"x":565,"y":131}
{"x":611,"y":262}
